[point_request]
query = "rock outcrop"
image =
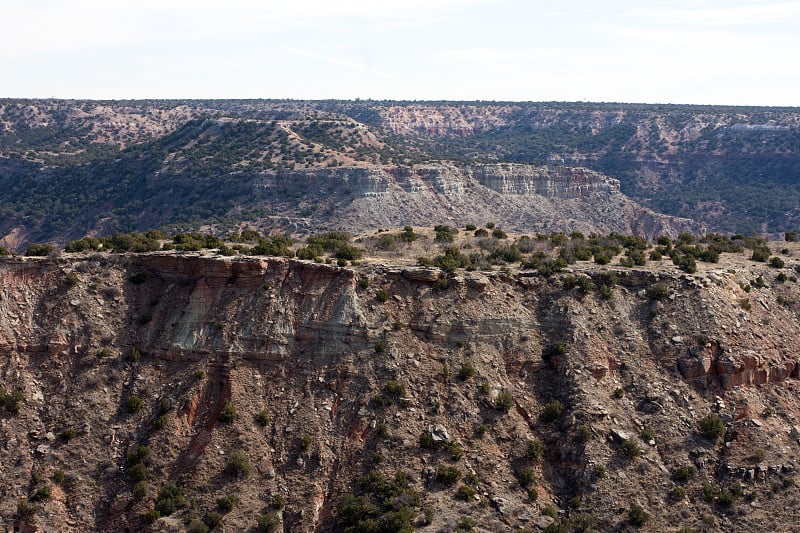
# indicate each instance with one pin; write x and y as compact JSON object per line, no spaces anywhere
{"x":523,"y":198}
{"x":298,"y":370}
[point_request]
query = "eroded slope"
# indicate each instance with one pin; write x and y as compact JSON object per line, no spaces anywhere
{"x":309,"y":376}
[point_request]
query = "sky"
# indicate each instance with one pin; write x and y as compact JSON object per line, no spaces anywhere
{"x":731,"y":52}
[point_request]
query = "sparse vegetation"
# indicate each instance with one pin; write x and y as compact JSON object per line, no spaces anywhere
{"x":238,"y":465}
{"x":226,"y":503}
{"x":447,"y":475}
{"x":504,"y":401}
{"x":466,"y":371}
{"x":534,"y":450}
{"x":552,"y":411}
{"x":228,"y":415}
{"x":637,"y":516}
{"x":631,"y":449}
{"x":711,"y":427}
{"x":262,"y":418}
{"x":133,"y":404}
{"x":465,"y":493}
{"x":10,"y":400}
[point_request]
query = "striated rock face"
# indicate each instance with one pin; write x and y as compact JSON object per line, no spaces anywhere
{"x":551,"y":182}
{"x":447,"y":179}
{"x":305,"y":354}
{"x":518,"y":197}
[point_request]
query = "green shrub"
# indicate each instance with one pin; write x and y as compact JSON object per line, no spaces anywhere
{"x":552,"y":411}
{"x":630,"y":449}
{"x":170,"y":499}
{"x":354,"y":512}
{"x":790,"y":236}
{"x":395,"y":389}
{"x":526,"y":476}
{"x":268,"y":522}
{"x":465,"y":493}
{"x":658,"y":291}
{"x":137,"y":472}
{"x":619,"y":393}
{"x":238,"y":465}
{"x":262,"y":418}
{"x":42,"y":494}
{"x":455,"y":450}
{"x":504,"y":401}
{"x":761,"y":254}
{"x":213,"y":520}
{"x":677,"y":493}
{"x":160,"y":422}
{"x":137,"y":277}
{"x":138,"y":454}
{"x":426,"y":441}
{"x":382,"y":429}
{"x":447,"y":475}
{"x":534,"y":450}
{"x":445,"y":233}
{"x":382,"y":295}
{"x":637,"y":516}
{"x":275,"y":245}
{"x":776,"y":262}
{"x":134,"y":355}
{"x":199,"y":375}
{"x":467,"y":371}
{"x":278,"y":501}
{"x":758,"y":455}
{"x":39,"y":250}
{"x":682,"y":474}
{"x":550,"y":510}
{"x":583,"y":434}
{"x":226,"y":503}
{"x":605,"y":291}
{"x":228,"y":414}
{"x":133,"y":404}
{"x":59,"y":476}
{"x":554,"y":350}
{"x":647,"y":434}
{"x":25,"y":509}
{"x":600,"y":471}
{"x":380,"y":347}
{"x":711,"y":427}
{"x":10,"y":401}
{"x":466,"y":524}
{"x":4,"y":251}
{"x":139,"y":489}
{"x":196,"y":525}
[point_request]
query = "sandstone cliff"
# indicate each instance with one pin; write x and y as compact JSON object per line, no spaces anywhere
{"x":524,"y":198}
{"x":330,"y":379}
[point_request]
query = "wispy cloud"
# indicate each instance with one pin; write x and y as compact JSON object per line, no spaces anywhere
{"x":340,"y":61}
{"x":721,"y":14}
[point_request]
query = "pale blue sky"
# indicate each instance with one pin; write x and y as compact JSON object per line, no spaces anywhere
{"x":742,"y":52}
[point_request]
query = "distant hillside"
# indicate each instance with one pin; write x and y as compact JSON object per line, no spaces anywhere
{"x":71,"y":168}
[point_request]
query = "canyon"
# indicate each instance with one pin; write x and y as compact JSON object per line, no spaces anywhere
{"x":310,"y":377}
